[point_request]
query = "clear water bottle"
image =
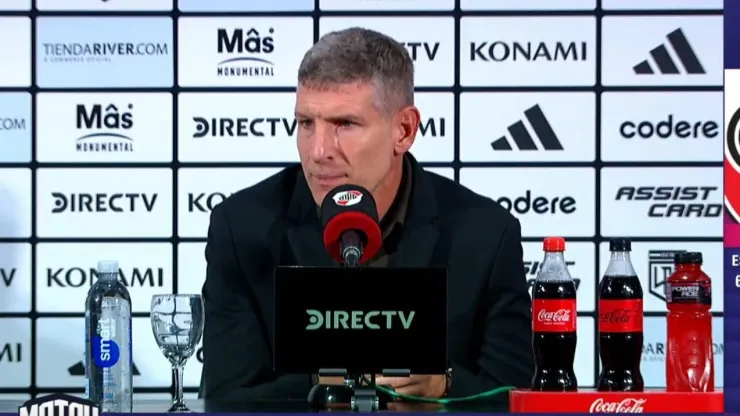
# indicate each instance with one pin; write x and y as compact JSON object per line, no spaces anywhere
{"x":108,"y":356}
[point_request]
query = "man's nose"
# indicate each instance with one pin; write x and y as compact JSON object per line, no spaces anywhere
{"x":324,"y":142}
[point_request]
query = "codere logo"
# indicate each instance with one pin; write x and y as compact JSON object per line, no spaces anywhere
{"x":59,"y":404}
{"x":359,"y":319}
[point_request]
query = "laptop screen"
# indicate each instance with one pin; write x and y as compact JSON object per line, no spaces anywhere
{"x":362,"y":320}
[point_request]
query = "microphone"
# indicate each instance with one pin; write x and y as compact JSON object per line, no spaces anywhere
{"x":350,"y":220}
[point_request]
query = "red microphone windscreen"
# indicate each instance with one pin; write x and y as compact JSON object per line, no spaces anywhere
{"x":358,"y":221}
{"x":350,"y":207}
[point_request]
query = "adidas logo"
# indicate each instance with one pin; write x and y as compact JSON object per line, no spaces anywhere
{"x":523,"y":140}
{"x":681,"y":47}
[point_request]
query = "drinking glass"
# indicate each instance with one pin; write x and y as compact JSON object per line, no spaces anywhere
{"x":177,"y":324}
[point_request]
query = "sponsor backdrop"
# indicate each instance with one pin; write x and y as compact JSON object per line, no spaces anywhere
{"x":123,"y":122}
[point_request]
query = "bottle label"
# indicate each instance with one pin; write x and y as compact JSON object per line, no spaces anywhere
{"x":554,"y":315}
{"x":624,"y":315}
{"x":105,"y":349}
{"x":689,"y":293}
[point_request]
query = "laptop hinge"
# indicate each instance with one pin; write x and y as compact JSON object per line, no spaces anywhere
{"x":332,"y":372}
{"x":396,"y":373}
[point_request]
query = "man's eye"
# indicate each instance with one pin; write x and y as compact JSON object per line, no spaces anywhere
{"x":306,"y":123}
{"x":345,"y":123}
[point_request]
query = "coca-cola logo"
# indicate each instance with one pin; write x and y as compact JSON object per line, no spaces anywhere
{"x":560,"y":315}
{"x":616,"y":316}
{"x":629,"y":405}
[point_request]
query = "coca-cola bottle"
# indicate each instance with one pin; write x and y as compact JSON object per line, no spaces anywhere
{"x":620,"y":322}
{"x":554,"y":322}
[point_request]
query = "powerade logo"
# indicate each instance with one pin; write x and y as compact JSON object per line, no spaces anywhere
{"x":105,"y":351}
{"x":359,"y":319}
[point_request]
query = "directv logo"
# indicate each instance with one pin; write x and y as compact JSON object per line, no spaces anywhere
{"x":359,"y":319}
{"x":665,"y":63}
{"x":523,"y":140}
{"x":59,"y":404}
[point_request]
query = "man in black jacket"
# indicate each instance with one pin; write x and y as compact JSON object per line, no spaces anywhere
{"x":356,"y":123}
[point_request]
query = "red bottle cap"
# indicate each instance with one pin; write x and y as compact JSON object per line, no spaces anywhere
{"x":553,"y":244}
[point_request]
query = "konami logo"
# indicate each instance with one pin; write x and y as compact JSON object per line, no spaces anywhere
{"x":628,"y":405}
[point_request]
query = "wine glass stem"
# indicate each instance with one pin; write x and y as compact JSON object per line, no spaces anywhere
{"x":177,"y":371}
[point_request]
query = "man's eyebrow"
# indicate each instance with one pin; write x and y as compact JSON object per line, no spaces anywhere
{"x":350,"y":117}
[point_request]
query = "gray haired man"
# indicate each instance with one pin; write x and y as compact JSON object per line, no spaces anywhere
{"x":356,"y":124}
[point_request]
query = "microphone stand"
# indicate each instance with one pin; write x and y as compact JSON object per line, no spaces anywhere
{"x":360,"y":397}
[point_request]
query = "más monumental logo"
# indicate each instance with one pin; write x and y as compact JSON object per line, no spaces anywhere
{"x":245,"y":53}
{"x":105,"y":128}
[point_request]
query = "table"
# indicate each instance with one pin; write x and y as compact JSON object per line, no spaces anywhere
{"x":289,"y":406}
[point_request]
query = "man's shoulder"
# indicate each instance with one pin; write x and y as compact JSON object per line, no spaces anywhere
{"x":265,"y":200}
{"x":460,"y":205}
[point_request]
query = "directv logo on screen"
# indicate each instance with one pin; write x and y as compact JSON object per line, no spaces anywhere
{"x":359,"y":319}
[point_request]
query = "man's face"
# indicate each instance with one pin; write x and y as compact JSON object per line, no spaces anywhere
{"x":343,"y":138}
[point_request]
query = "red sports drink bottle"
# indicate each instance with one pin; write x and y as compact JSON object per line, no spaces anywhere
{"x":554,"y":322}
{"x":689,"y":357}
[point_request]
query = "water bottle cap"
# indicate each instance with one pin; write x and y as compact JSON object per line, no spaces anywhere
{"x":688,"y":258}
{"x":620,"y":244}
{"x":108,"y":266}
{"x":553,"y":244}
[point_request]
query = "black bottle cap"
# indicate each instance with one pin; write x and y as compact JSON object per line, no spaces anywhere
{"x":620,"y":244}
{"x":688,"y":257}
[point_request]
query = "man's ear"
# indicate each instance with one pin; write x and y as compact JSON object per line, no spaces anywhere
{"x":406,"y":126}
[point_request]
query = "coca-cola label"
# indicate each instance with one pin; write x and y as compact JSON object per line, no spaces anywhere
{"x":620,"y":315}
{"x":689,"y":292}
{"x":554,"y":315}
{"x":628,"y":405}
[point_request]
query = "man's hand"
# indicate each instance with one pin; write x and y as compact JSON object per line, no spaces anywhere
{"x":430,"y":386}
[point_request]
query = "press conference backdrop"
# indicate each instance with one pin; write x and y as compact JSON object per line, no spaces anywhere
{"x":121,"y":129}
